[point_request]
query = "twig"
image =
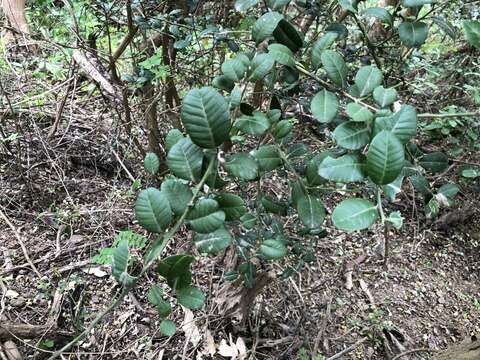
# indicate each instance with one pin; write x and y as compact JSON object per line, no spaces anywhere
{"x":412,"y":351}
{"x":348,"y":349}
{"x":20,"y":241}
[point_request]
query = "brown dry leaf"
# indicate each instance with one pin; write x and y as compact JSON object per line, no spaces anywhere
{"x":210,"y":343}
{"x":190,"y":328}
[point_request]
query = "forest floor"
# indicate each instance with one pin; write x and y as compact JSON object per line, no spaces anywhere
{"x":67,"y":197}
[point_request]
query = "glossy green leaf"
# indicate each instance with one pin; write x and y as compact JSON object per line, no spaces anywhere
{"x":413,"y":34}
{"x":335,"y":67}
{"x":324,"y":106}
{"x":344,"y":169}
{"x":325,"y":42}
{"x":282,"y":129}
{"x":167,"y":327}
{"x":155,"y":296}
{"x":205,"y":217}
{"x":379,"y":13}
{"x":176,"y":269}
{"x":260,"y":66}
{"x":385,"y":158}
{"x":367,"y":79}
{"x":354,"y":214}
{"x":257,"y":124}
{"x":449,"y":190}
{"x":267,"y":157}
{"x":236,"y":68}
{"x":351,"y":135}
{"x":471,"y":173}
{"x":472,"y":32}
{"x":403,"y":124}
{"x":396,"y":219}
{"x":213,"y":242}
{"x":415,"y":3}
{"x":244,"y":5}
{"x":223,"y":82}
{"x":273,"y":249}
{"x":191,"y":297}
{"x":384,"y":97}
{"x":152,"y":210}
{"x":232,"y":205}
{"x":313,"y":176}
{"x":173,"y":136}
{"x":265,"y":25}
{"x":435,"y":162}
{"x":242,"y":166}
{"x":282,"y":54}
{"x":311,"y":211}
{"x":151,"y":163}
{"x":178,"y":195}
{"x":185,"y":160}
{"x":358,"y":113}
{"x":206,"y":117}
{"x":286,"y":34}
{"x":120,"y":264}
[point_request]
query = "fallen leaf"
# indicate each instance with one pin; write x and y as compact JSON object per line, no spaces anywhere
{"x":96,"y":271}
{"x":11,"y":294}
{"x":190,"y":328}
{"x":210,"y":342}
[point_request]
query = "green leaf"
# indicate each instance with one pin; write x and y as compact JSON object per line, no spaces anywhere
{"x":415,"y":3}
{"x":167,"y":327}
{"x":351,"y":135}
{"x":273,"y":206}
{"x":265,"y":25}
{"x":248,"y":221}
{"x":287,"y":35}
{"x":151,"y":163}
{"x":223,"y":82}
{"x":273,"y":249}
{"x":244,"y":5}
{"x":420,"y":184}
{"x":379,"y":13}
{"x":344,"y":169}
{"x":470,"y":173}
{"x":435,"y":162}
{"x":205,"y":216}
{"x":236,"y":68}
{"x":413,"y":34}
{"x":472,"y":32}
{"x":178,"y":195}
{"x":324,"y":106}
{"x":384,"y":97}
{"x":206,"y":117}
{"x":358,"y":113}
{"x":403,"y":124}
{"x":385,"y":158}
{"x":282,"y":54}
{"x":313,"y":176}
{"x":282,"y":129}
{"x":349,"y":5}
{"x":367,"y":79}
{"x":257,"y":124}
{"x":277,"y":4}
{"x":325,"y":42}
{"x":396,"y":219}
{"x":176,"y":269}
{"x":120,"y":264}
{"x":152,"y":210}
{"x":155,"y":296}
{"x":260,"y":66}
{"x":185,"y":160}
{"x":449,"y":190}
{"x":267,"y":157}
{"x":447,"y":27}
{"x":242,"y":166}
{"x":311,"y":211}
{"x":391,"y":190}
{"x":335,"y":67}
{"x":354,"y":214}
{"x":432,"y":208}
{"x":173,"y":136}
{"x":232,"y":205}
{"x":213,"y":242}
{"x":191,"y":297}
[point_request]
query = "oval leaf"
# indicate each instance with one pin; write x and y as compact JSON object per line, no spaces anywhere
{"x":311,"y":211}
{"x":385,"y":158}
{"x":344,"y":169}
{"x":273,"y":249}
{"x":413,"y":34}
{"x":351,"y":135}
{"x":205,"y":216}
{"x":335,"y":67}
{"x":152,"y":210}
{"x":324,"y":106}
{"x":185,"y":160}
{"x":354,"y":214}
{"x":367,"y":79}
{"x":242,"y":166}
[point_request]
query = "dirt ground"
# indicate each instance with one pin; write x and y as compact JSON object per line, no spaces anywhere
{"x":66,"y":197}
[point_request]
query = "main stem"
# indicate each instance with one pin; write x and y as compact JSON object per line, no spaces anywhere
{"x":385,"y":227}
{"x":155,"y":251}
